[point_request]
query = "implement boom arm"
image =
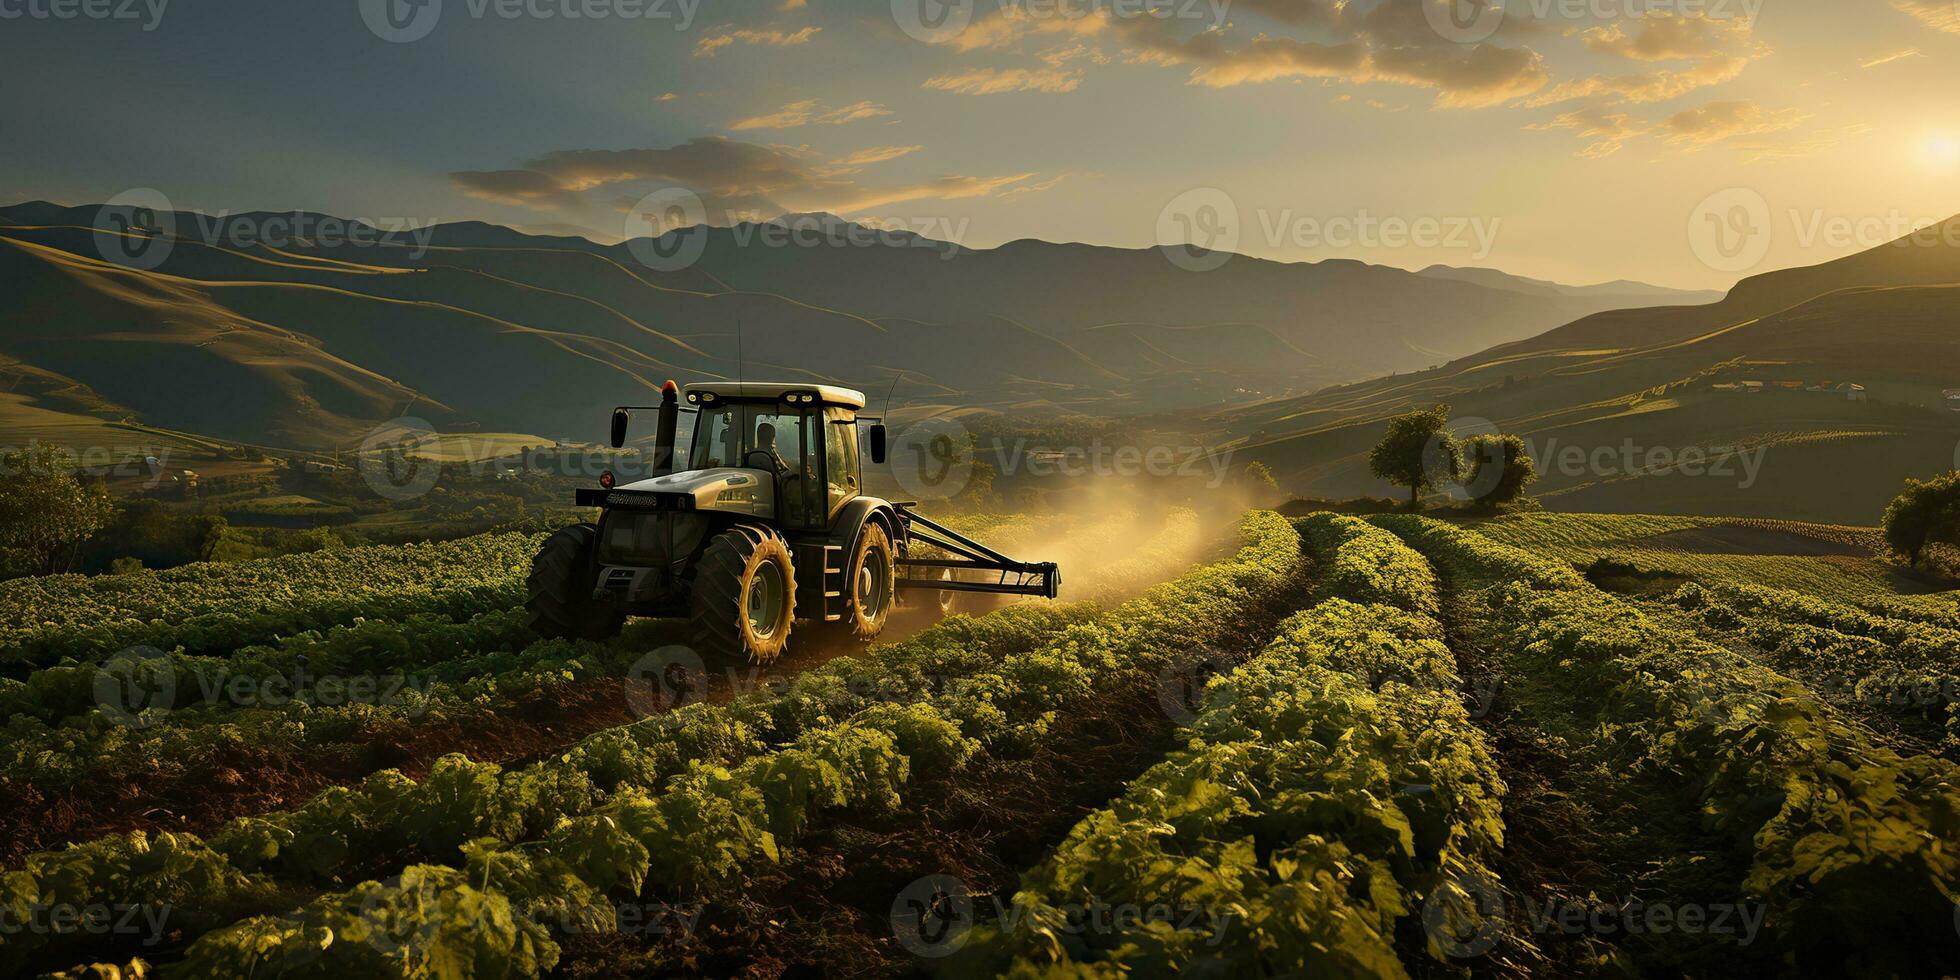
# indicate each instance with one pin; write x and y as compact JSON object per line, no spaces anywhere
{"x":1009,"y":577}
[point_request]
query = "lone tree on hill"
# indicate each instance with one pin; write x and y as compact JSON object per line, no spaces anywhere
{"x":1418,"y":452}
{"x":1926,"y":513}
{"x":1500,"y":468}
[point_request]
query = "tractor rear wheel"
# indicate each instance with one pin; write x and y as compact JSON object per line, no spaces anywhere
{"x":870,"y":575}
{"x":743,"y":599}
{"x":560,"y":603}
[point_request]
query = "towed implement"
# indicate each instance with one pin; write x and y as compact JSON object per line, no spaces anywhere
{"x":763,"y":523}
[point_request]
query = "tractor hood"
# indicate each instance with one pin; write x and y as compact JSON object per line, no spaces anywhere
{"x":728,"y":489}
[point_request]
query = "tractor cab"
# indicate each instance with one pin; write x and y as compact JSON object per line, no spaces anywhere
{"x":799,"y":442}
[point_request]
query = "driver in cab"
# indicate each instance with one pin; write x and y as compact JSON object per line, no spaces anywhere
{"x":765,"y":442}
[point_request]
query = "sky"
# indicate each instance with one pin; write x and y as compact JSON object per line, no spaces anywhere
{"x":1688,"y":143}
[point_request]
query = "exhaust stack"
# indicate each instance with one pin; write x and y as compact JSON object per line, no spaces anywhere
{"x":663,"y":431}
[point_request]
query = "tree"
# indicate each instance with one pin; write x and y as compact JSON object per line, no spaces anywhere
{"x":1257,"y":479}
{"x":45,"y":512}
{"x":1500,"y":468}
{"x":1418,"y":452}
{"x":1927,"y":512}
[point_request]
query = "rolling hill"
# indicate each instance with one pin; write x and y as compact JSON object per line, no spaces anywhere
{"x":1623,"y":385}
{"x":301,"y":343}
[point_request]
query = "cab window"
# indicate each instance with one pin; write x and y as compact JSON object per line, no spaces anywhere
{"x":840,"y":456}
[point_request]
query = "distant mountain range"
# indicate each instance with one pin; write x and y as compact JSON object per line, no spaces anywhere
{"x":1626,"y":292}
{"x":267,"y":329}
{"x":1829,"y":380}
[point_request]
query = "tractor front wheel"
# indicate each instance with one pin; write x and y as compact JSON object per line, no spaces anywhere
{"x":560,"y":603}
{"x":744,"y":596}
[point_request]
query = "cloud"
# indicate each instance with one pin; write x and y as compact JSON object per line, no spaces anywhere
{"x":948,"y":188}
{"x":711,"y":44}
{"x":1034,"y":188}
{"x":1665,"y":36}
{"x":1719,"y":121}
{"x":810,"y":112}
{"x":524,"y":188}
{"x":876,"y":154}
{"x":1886,"y":59}
{"x":1608,"y":130}
{"x":1013,"y":28}
{"x":995,"y":81}
{"x":1390,"y":42}
{"x":735,"y":180}
{"x":1642,"y":87}
{"x":1719,"y":49}
{"x":1789,"y":149}
{"x":1938,"y":14}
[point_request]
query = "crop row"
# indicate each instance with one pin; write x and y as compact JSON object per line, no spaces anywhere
{"x":1329,"y":787}
{"x":311,"y":668}
{"x":1364,"y":564}
{"x":212,"y":607}
{"x":177,"y":680}
{"x":313,"y":692}
{"x":389,"y":820}
{"x":693,"y":837}
{"x":1904,"y":669}
{"x":1841,"y":836}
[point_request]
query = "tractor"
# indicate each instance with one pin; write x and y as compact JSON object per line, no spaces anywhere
{"x":763,"y":523}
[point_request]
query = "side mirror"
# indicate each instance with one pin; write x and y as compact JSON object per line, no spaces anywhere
{"x":878,"y":442}
{"x":619,"y":427}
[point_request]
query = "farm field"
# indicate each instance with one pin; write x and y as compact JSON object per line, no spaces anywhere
{"x":1239,"y":746}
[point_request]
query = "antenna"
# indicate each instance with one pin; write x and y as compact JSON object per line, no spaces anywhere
{"x":889,"y":391}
